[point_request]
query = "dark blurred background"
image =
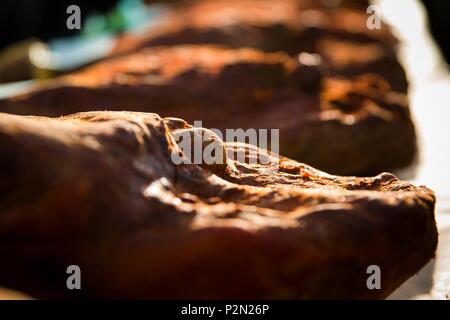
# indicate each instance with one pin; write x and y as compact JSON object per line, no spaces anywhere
{"x":439,"y":23}
{"x":36,"y":43}
{"x":43,"y":19}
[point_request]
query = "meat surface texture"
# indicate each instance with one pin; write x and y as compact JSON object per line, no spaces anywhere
{"x":340,"y":35}
{"x":343,"y":126}
{"x":100,"y":190}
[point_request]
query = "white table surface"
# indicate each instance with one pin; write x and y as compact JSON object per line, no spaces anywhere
{"x":430,"y":104}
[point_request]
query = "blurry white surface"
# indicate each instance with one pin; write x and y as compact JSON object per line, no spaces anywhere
{"x":430,"y":104}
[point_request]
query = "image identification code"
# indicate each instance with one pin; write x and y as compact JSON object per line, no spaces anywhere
{"x":229,"y":309}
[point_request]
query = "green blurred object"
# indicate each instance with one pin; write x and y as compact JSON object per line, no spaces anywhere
{"x":33,"y":59}
{"x":127,"y":15}
{"x":95,"y":24}
{"x":23,"y":60}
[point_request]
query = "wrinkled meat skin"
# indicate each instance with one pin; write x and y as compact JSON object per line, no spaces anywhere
{"x":346,"y":127}
{"x":286,"y":25}
{"x":99,"y":190}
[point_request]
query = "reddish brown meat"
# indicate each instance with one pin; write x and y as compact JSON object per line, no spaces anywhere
{"x":99,"y":190}
{"x":340,"y":126}
{"x":340,"y":35}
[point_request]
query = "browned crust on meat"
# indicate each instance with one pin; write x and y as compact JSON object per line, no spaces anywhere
{"x":99,"y":190}
{"x":288,"y":25}
{"x":341,"y":126}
